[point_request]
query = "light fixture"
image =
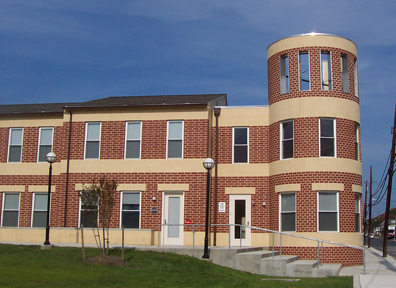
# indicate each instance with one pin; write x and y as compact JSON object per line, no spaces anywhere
{"x":208,"y":164}
{"x":50,"y":158}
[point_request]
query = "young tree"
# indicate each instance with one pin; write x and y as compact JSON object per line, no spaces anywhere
{"x":97,"y":200}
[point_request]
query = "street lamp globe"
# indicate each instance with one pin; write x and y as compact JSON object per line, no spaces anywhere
{"x":208,"y":163}
{"x":50,"y":157}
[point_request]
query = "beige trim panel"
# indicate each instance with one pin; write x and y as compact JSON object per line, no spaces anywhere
{"x":239,"y":116}
{"x":41,"y":188}
{"x":312,"y":40}
{"x":30,"y":122}
{"x":327,"y":187}
{"x":356,"y":188}
{"x":243,"y":170}
{"x":287,"y":188}
{"x":350,"y":238}
{"x":12,"y":188}
{"x":240,"y":190}
{"x":29,"y":168}
{"x":173,"y":187}
{"x":152,"y":113}
{"x":131,"y":187}
{"x":316,"y":165}
{"x":314,"y":107}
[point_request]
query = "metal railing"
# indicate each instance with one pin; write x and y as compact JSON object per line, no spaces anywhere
{"x":320,"y":241}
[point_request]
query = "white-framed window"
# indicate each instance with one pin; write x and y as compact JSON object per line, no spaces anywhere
{"x":328,"y":211}
{"x":304,"y":74}
{"x":39,"y":211}
{"x":287,"y":211}
{"x":240,"y":141}
{"x":327,"y":133}
{"x":175,"y":133}
{"x":356,"y":141}
{"x":45,"y":142}
{"x":284,"y":74}
{"x":133,"y":138}
{"x":356,"y":77}
{"x":344,"y":73}
{"x":325,"y":69}
{"x":10,"y":216}
{"x":130,"y":209}
{"x":287,"y":139}
{"x":92,"y":140}
{"x":357,"y":212}
{"x":15,"y":145}
{"x":88,"y":215}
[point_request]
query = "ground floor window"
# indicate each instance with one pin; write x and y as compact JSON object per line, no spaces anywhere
{"x":10,"y":216}
{"x":88,"y":215}
{"x":130,"y":209}
{"x":327,"y":211}
{"x":39,"y":213}
{"x":288,"y":211}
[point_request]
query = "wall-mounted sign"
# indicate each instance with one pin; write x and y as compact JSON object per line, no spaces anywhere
{"x":222,"y":206}
{"x":154,"y":210}
{"x":188,"y":221}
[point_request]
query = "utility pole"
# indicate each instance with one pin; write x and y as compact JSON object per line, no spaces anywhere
{"x":388,"y":198}
{"x":370,"y":206}
{"x":365,"y":218}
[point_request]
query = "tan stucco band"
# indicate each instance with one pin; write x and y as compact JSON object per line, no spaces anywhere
{"x":131,"y":187}
{"x":240,"y":190}
{"x":173,"y":187}
{"x":29,"y":122}
{"x":141,"y":114}
{"x":352,"y":238}
{"x":238,"y":116}
{"x":356,"y":188}
{"x":12,"y":188}
{"x":287,"y":188}
{"x":243,"y":170}
{"x":314,"y":107}
{"x":312,"y":40}
{"x":30,"y":168}
{"x":315,"y":165}
{"x":328,"y":186}
{"x":41,"y":188}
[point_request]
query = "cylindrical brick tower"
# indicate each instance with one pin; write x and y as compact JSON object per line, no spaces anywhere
{"x":315,"y":162}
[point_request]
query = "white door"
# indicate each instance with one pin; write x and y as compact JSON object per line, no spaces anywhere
{"x":173,"y":213}
{"x":240,"y":214}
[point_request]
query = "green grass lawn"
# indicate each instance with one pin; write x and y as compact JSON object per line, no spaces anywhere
{"x":28,"y":266}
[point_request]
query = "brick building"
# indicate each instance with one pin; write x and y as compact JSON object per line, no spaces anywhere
{"x":292,"y":166}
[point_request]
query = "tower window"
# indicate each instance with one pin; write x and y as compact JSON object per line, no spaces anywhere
{"x":325,"y":63}
{"x":284,"y":74}
{"x":356,"y":78}
{"x":344,"y":73}
{"x":303,"y":65}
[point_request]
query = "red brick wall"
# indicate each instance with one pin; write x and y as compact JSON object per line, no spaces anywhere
{"x":315,"y":77}
{"x":3,"y":144}
{"x":112,"y":144}
{"x":30,"y":144}
{"x":195,"y":138}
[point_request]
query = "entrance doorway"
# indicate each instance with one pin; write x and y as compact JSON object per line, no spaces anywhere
{"x":173,"y":213}
{"x":240,"y":213}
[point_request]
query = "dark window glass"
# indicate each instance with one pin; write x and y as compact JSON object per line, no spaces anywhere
{"x":240,"y":145}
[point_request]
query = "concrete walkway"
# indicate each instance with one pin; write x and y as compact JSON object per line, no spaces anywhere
{"x":380,"y":272}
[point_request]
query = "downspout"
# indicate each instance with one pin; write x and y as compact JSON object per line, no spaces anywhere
{"x":67,"y":166}
{"x":217,"y":114}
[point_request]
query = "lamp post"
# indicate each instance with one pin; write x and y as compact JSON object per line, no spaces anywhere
{"x":208,"y":164}
{"x":50,"y":158}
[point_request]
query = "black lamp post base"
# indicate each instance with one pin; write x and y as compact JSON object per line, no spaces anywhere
{"x":45,"y":247}
{"x":206,"y":250}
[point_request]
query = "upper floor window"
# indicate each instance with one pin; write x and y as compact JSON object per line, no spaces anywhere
{"x":356,"y":77}
{"x":325,"y":63}
{"x":240,"y":145}
{"x":284,"y":74}
{"x":327,"y":138}
{"x":344,"y":73}
{"x":10,"y":217}
{"x":303,"y":65}
{"x":287,"y":139}
{"x":132,"y":142}
{"x":15,"y":145}
{"x":92,"y":140}
{"x":175,"y":139}
{"x":288,"y":211}
{"x":328,"y":211}
{"x":39,"y":213}
{"x":130,"y":210}
{"x":356,"y":142}
{"x":45,"y":143}
{"x":357,"y":212}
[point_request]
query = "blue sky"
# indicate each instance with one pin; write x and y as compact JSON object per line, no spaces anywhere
{"x":65,"y":51}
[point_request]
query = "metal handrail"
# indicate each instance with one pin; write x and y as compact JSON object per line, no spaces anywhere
{"x":320,"y":249}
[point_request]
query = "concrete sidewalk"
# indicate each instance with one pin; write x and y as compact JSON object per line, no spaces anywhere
{"x":380,"y":272}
